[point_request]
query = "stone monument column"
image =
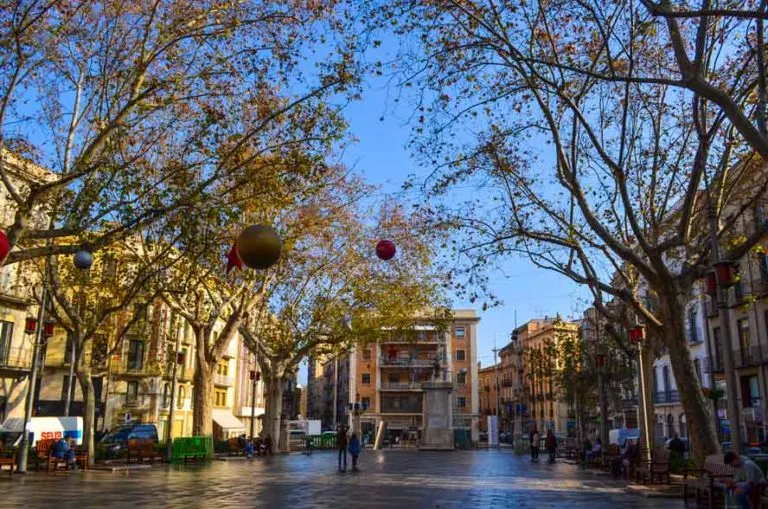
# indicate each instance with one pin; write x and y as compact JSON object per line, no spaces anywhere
{"x":438,"y":417}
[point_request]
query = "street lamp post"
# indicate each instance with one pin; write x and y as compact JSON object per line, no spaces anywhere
{"x":83,"y":261}
{"x":637,"y":336}
{"x":30,"y":399}
{"x":255,"y":376}
{"x":178,"y":356}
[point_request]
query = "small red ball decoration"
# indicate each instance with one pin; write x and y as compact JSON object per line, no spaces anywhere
{"x":385,"y":249}
{"x":5,"y":245}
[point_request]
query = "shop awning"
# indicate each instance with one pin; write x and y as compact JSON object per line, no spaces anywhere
{"x":227,"y":421}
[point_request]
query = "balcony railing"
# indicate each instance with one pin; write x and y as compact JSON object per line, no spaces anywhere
{"x":407,"y":362}
{"x":401,"y":386}
{"x":428,"y":339}
{"x":752,"y":356}
{"x":666,"y":397}
{"x":16,"y":358}
{"x":227,"y":381}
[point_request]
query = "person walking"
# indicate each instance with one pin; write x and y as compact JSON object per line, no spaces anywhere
{"x":551,"y":444}
{"x":534,"y":438}
{"x":341,"y":443}
{"x":354,"y":450}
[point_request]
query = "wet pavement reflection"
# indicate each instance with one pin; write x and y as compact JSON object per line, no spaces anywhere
{"x":399,"y":479}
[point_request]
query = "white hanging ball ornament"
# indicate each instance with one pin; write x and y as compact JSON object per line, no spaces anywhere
{"x":83,"y":260}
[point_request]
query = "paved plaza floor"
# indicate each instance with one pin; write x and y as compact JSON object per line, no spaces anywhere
{"x":391,"y":479}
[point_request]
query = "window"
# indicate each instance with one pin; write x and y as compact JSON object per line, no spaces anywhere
{"x":222,"y":368}
{"x":461,"y":402}
{"x":108,"y":270}
{"x":459,"y":332}
{"x":393,"y":378}
{"x":366,"y":402}
{"x":750,"y":392}
{"x":166,"y":395}
{"x":697,"y":366}
{"x":132,"y":395}
{"x":181,"y":397}
{"x":693,"y":335}
{"x":220,"y":397}
{"x":135,"y":354}
{"x":461,"y":378}
{"x":460,"y":356}
{"x":64,"y":385}
{"x":718,"y":347}
{"x":665,"y":378}
{"x":366,"y":378}
{"x":367,"y":354}
{"x":6,"y":335}
{"x":743,"y":329}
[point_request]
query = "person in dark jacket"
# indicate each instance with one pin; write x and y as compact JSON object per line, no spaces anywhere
{"x":551,"y":445}
{"x":341,"y":443}
{"x":354,"y":450}
{"x":534,"y":439}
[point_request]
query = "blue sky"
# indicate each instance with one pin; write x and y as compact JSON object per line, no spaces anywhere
{"x":381,"y":157}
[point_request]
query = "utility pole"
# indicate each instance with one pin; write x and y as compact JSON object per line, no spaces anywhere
{"x":24,"y":446}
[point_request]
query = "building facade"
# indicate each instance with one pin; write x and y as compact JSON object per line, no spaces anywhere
{"x":541,"y":403}
{"x":387,"y":377}
{"x":16,"y":298}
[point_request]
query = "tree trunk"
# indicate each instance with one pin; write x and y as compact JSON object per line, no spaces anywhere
{"x":202,"y":397}
{"x":89,"y":411}
{"x":701,"y":432}
{"x":274,"y":409}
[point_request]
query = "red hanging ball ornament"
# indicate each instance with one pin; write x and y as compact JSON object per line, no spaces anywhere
{"x":5,"y":245}
{"x":385,"y":249}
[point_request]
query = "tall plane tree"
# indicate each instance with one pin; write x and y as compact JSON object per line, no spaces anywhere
{"x":601,"y":138}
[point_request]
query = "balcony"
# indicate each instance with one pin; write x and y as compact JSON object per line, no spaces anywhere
{"x":747,"y":357}
{"x":666,"y":397}
{"x":131,"y":369}
{"x":226,"y":381}
{"x":16,"y":359}
{"x":405,"y":362}
{"x":402,"y":386}
{"x":430,"y":338}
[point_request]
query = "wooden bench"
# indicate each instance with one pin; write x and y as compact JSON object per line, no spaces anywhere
{"x":235,"y":449}
{"x":610,"y":453}
{"x":45,"y":451}
{"x":657,"y":469}
{"x":8,"y":458}
{"x":708,"y":483}
{"x":140,"y":450}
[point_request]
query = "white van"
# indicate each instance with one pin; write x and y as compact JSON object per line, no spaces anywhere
{"x":42,"y":428}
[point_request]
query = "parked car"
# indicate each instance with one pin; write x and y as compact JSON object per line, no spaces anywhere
{"x":506,"y":437}
{"x":116,"y":441}
{"x":483,"y":436}
{"x":684,"y":440}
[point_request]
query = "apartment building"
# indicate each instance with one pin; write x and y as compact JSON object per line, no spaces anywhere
{"x":487,"y":379}
{"x":16,"y":301}
{"x":541,"y":403}
{"x":386,"y":377}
